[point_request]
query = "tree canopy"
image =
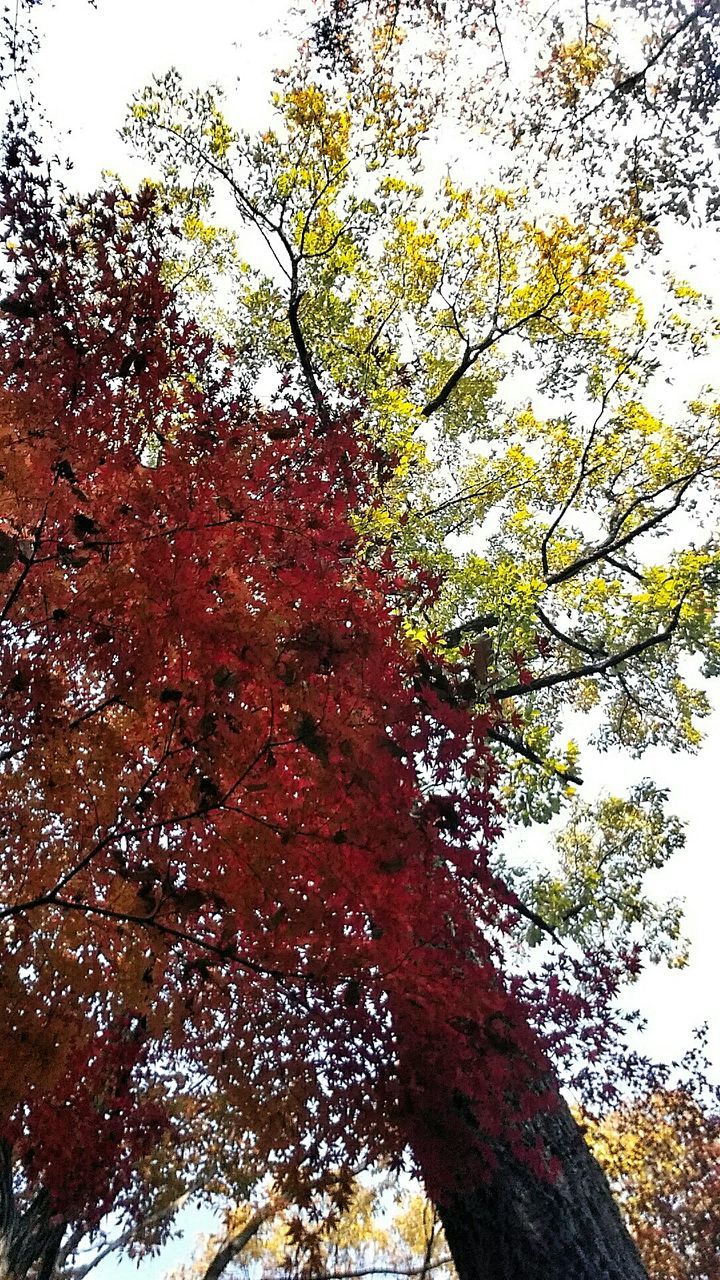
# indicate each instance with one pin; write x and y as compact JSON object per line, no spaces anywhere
{"x":332,"y":482}
{"x":509,"y":364}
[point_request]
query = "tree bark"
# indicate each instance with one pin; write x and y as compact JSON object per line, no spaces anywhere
{"x":29,"y":1239}
{"x":516,"y":1226}
{"x":235,"y":1241}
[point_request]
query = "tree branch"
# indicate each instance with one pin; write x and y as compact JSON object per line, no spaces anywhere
{"x":522,"y":749}
{"x":30,"y":561}
{"x":532,"y":916}
{"x":625,"y":568}
{"x":592,"y":668}
{"x":613,"y":544}
{"x":181,"y":935}
{"x":565,"y":639}
{"x":474,"y":626}
{"x":443,"y":395}
{"x":582,"y":473}
{"x":268,"y":228}
{"x":125,"y":1238}
{"x":111,"y":701}
{"x":303,"y":354}
{"x":472,"y":353}
{"x":375,"y":1271}
{"x":236,"y":1241}
{"x":635,"y":78}
{"x":50,"y":896}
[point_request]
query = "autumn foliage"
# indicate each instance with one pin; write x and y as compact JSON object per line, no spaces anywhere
{"x":661,"y":1152}
{"x":242,"y":835}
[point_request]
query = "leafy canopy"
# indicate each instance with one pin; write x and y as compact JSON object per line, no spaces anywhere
{"x":241,"y":840}
{"x":278,"y":577}
{"x":510,"y":369}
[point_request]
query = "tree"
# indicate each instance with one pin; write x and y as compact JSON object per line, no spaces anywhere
{"x":220,"y":850}
{"x":661,"y":1154}
{"x":622,"y":97}
{"x":340,"y":319}
{"x":82,"y":375}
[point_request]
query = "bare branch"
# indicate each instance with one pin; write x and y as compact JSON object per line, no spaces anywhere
{"x":122,"y":1240}
{"x":498,"y":33}
{"x":358,"y":1272}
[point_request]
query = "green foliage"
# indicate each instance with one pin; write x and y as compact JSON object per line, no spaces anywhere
{"x":597,"y":895}
{"x":505,"y":361}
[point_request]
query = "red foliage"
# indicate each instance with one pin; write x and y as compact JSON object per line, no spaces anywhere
{"x":218,"y":846}
{"x":90,"y":1128}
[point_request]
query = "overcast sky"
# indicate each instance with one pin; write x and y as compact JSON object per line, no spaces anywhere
{"x":91,"y":63}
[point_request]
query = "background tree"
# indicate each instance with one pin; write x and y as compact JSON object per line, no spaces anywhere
{"x":661,"y":1153}
{"x":622,"y":98}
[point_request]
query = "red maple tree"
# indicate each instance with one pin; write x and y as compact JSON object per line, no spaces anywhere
{"x":245,"y":827}
{"x":238,"y":823}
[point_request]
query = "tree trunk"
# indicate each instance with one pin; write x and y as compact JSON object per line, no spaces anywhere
{"x":516,"y":1226}
{"x":29,"y":1240}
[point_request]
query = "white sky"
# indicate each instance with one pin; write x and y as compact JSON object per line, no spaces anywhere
{"x":91,"y":63}
{"x":93,"y":60}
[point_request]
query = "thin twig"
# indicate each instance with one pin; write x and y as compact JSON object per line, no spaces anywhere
{"x":634,"y":78}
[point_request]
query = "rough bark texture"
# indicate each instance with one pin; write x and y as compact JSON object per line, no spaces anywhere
{"x":28,"y":1239}
{"x":517,"y":1227}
